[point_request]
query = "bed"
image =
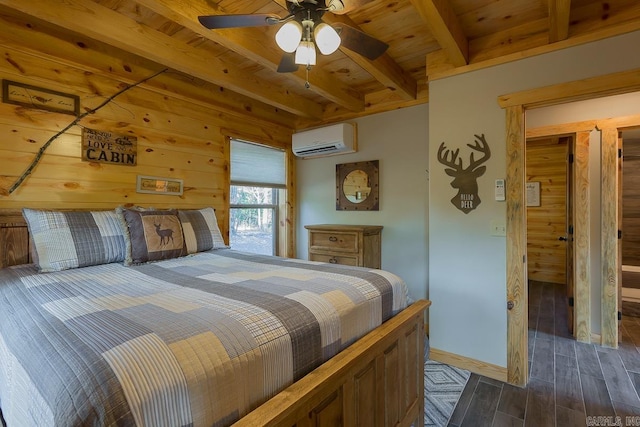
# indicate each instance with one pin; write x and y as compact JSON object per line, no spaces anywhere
{"x":215,"y":337}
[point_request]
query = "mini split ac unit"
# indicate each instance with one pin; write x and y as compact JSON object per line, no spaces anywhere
{"x":326,"y":141}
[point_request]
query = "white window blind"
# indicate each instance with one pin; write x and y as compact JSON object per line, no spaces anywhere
{"x":253,"y":164}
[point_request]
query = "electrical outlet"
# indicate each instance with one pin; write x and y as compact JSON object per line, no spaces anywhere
{"x":498,"y":228}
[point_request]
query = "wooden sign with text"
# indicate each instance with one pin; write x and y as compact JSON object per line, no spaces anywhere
{"x":107,"y":147}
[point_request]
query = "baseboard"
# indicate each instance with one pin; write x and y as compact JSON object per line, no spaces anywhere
{"x":482,"y":368}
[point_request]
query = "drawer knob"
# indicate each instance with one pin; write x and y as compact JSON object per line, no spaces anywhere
{"x":333,"y":239}
{"x":333,"y":260}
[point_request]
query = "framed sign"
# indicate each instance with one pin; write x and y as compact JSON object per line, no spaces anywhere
{"x":533,"y":193}
{"x":357,"y":186}
{"x":156,"y":185}
{"x":37,"y":97}
{"x":108,"y":147}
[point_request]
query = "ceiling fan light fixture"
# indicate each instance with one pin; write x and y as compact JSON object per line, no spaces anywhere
{"x":334,"y":5}
{"x":327,"y":38}
{"x":306,"y":53}
{"x":288,"y":36}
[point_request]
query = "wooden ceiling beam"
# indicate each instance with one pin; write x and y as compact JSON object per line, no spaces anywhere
{"x":559,"y":12}
{"x":376,"y":102}
{"x":493,"y":52}
{"x":529,"y":35}
{"x":384,"y":69}
{"x":252,"y":43}
{"x":24,"y":34}
{"x":446,"y":29}
{"x":103,"y":24}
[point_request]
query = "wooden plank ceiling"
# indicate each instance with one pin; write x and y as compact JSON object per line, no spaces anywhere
{"x":235,"y":68}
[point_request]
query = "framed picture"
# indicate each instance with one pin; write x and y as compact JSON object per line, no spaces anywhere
{"x":156,"y":185}
{"x":37,"y":97}
{"x":357,"y":186}
{"x":533,"y":193}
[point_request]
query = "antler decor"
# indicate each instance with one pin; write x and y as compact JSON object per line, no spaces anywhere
{"x":465,"y":179}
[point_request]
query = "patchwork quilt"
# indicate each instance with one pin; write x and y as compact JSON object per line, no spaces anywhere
{"x":194,"y":341}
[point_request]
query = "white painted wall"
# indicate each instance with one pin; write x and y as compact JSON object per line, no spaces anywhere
{"x":398,"y":139}
{"x":591,"y":109}
{"x":467,"y":266}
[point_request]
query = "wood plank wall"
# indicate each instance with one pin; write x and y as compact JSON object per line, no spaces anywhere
{"x":631,"y":203}
{"x":179,"y":134}
{"x":546,"y":255}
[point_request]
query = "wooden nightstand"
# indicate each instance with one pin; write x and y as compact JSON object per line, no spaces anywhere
{"x":357,"y":245}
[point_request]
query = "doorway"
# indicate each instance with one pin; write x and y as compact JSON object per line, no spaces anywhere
{"x":630,"y":252}
{"x":514,"y":105}
{"x":550,"y":217}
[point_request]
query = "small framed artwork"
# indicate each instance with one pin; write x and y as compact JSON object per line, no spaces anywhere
{"x":157,"y":185}
{"x":357,"y":186}
{"x":533,"y":193}
{"x":41,"y":98}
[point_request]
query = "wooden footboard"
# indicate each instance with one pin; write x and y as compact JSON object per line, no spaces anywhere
{"x":377,"y":381}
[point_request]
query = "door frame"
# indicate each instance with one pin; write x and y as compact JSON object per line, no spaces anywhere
{"x":515,"y":105}
{"x":569,"y":228}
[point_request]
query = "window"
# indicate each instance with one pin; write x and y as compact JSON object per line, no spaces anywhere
{"x":257,"y":191}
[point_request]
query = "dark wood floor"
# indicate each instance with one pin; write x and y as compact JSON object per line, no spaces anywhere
{"x":571,"y":383}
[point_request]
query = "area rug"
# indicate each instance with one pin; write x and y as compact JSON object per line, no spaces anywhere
{"x":443,"y":385}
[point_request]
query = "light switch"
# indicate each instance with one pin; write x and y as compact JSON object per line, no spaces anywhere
{"x":498,"y":228}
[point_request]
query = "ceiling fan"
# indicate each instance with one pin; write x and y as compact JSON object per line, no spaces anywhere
{"x":302,"y":31}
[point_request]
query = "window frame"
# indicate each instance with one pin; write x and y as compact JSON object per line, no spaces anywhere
{"x":274,"y":206}
{"x":286,"y":225}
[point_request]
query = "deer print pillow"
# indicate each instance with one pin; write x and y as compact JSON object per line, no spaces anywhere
{"x":72,"y":239}
{"x":153,"y":235}
{"x":201,"y":231}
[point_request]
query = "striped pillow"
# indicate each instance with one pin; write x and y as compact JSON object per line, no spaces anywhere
{"x":64,"y":240}
{"x":200,"y":228}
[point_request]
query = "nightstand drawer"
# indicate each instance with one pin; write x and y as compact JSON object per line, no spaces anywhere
{"x":333,"y":241}
{"x":334,"y":259}
{"x":357,"y":245}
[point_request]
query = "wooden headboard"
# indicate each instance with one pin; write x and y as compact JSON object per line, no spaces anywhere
{"x":14,"y":239}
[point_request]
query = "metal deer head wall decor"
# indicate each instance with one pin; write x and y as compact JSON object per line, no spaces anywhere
{"x":465,"y":179}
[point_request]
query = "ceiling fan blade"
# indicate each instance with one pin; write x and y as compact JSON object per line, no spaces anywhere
{"x":287,"y":64}
{"x":361,"y":43}
{"x":340,"y":7}
{"x":235,"y":21}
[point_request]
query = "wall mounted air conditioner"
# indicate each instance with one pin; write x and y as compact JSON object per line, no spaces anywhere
{"x":325,"y":141}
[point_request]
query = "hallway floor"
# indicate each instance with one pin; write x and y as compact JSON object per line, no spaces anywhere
{"x":571,"y":383}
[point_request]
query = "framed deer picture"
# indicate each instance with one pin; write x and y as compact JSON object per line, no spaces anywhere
{"x":465,"y":178}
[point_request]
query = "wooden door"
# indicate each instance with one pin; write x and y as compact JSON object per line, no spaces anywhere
{"x":620,"y":235}
{"x":570,"y":219}
{"x":546,"y":170}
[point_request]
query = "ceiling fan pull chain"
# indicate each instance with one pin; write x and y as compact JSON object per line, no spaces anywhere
{"x":307,"y":85}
